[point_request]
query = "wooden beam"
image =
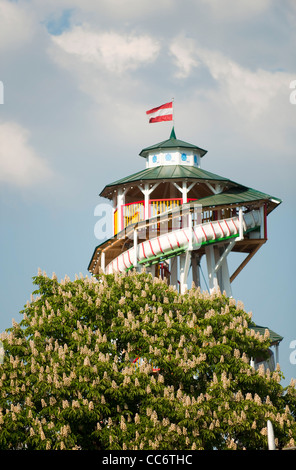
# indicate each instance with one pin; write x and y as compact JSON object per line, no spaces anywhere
{"x":247,"y":245}
{"x":245,"y":262}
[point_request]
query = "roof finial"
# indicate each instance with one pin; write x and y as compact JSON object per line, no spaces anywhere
{"x":173,"y":134}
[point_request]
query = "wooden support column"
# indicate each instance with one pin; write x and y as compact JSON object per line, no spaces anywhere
{"x":277,"y":357}
{"x":135,"y":248}
{"x":262,"y":222}
{"x":221,"y":267}
{"x":241,"y":226}
{"x":212,"y":275}
{"x":184,"y":190}
{"x":195,"y":269}
{"x":174,"y":271}
{"x":103,"y":261}
{"x":147,"y":191}
{"x":184,"y":270}
{"x":224,"y":284}
{"x":114,"y":199}
{"x":224,"y":254}
{"x":190,"y":231}
{"x":120,"y":203}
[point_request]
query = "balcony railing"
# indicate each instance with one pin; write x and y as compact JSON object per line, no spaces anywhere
{"x":135,"y":211}
{"x":132,"y":213}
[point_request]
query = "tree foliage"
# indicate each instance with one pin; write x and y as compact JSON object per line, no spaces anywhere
{"x":125,"y":362}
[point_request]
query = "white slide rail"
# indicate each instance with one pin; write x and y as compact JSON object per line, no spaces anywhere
{"x":184,"y":239}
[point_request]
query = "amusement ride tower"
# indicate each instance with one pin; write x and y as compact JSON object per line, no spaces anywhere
{"x":171,"y":214}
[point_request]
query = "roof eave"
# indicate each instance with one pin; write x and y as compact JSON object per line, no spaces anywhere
{"x":142,"y":176}
{"x":145,"y":152}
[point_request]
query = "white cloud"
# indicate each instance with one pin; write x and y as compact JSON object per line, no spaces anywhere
{"x":249,"y":92}
{"x":183,"y":52}
{"x":19,"y":163}
{"x":16,"y":25}
{"x":239,"y":113}
{"x":116,"y":52}
{"x":101,"y":63}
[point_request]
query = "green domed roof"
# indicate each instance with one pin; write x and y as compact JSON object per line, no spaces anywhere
{"x":166,"y":173}
{"x":172,"y":143}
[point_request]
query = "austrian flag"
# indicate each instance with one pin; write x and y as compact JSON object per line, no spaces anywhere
{"x":161,"y":113}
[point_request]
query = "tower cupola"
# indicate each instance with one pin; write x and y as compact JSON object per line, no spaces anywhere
{"x":173,"y":152}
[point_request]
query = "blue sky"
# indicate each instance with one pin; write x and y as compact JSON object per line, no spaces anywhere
{"x":78,"y":78}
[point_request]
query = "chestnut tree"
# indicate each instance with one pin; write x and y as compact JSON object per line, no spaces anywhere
{"x":126,"y":362}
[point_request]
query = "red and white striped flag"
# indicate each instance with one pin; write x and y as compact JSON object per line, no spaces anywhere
{"x":161,"y":113}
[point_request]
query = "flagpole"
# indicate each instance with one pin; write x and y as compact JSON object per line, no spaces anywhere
{"x":173,"y":113}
